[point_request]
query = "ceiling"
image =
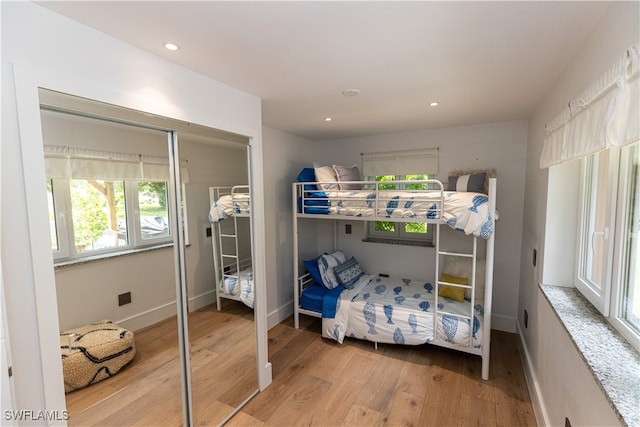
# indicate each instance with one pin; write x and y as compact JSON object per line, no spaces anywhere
{"x":481,"y":61}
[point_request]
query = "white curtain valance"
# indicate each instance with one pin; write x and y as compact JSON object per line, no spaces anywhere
{"x":605,"y":115}
{"x":407,"y":162}
{"x":80,"y":163}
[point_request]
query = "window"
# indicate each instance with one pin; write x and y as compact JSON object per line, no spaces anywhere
{"x":95,"y":217}
{"x":608,"y":273}
{"x":628,"y":303}
{"x":102,"y":202}
{"x":404,"y":165}
{"x":597,"y":199}
{"x":400,"y":232}
{"x":600,"y":129}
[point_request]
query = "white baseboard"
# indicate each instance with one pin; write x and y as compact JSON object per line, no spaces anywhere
{"x":537,"y":401}
{"x":503,"y":323}
{"x":202,"y":300}
{"x":164,"y":311}
{"x":279,"y":314}
{"x":148,"y":317}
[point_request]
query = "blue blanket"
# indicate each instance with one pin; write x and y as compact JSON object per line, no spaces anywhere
{"x":330,"y":302}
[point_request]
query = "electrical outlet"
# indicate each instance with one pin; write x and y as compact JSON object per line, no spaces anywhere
{"x":535,"y":257}
{"x":208,"y":231}
{"x":526,"y":319}
{"x":347,"y":229}
{"x":124,"y":298}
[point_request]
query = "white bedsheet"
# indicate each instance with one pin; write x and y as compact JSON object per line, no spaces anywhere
{"x":400,"y":311}
{"x":246,"y":291}
{"x":226,"y":206}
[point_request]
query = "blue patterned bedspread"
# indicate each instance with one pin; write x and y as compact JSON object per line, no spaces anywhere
{"x":467,"y":212}
{"x":399,"y":311}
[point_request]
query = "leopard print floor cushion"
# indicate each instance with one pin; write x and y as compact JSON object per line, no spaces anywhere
{"x":94,"y":352}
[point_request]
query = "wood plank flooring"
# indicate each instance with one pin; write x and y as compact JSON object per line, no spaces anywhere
{"x":147,"y":392}
{"x":316,"y":382}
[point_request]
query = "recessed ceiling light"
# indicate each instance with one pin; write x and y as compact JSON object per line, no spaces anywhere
{"x":433,"y":104}
{"x":327,"y":119}
{"x":351,"y":92}
{"x":171,"y":46}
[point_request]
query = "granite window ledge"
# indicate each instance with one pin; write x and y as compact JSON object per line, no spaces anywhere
{"x":613,"y":362}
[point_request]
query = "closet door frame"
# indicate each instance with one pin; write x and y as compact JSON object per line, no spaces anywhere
{"x":182,"y":300}
{"x":27,"y":83}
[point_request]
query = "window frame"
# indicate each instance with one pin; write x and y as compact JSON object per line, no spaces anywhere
{"x":629,"y":332}
{"x":66,"y":253}
{"x":609,"y":302}
{"x":601,"y":297}
{"x":399,"y":236}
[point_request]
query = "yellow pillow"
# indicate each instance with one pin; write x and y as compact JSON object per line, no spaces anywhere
{"x":453,"y":292}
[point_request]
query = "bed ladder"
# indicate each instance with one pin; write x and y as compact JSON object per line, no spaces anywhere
{"x":229,"y":258}
{"x":471,"y":286}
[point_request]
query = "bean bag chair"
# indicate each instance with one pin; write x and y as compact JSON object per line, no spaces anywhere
{"x":94,"y":352}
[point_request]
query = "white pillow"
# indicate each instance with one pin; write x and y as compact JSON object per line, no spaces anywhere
{"x":345,"y":173}
{"x":326,"y":264}
{"x":326,"y":176}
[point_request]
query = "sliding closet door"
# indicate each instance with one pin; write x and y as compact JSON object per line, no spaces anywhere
{"x":222,"y":342}
{"x":177,"y":213}
{"x":108,"y":184}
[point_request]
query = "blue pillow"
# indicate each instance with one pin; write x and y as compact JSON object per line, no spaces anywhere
{"x":348,"y":273}
{"x":308,"y":175}
{"x":312,"y":268}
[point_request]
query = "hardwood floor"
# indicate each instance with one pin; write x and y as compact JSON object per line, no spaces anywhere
{"x":322,"y":383}
{"x":147,"y":392}
{"x":316,"y":382}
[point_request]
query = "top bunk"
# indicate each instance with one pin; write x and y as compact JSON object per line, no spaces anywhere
{"x":428,"y":201}
{"x":229,"y":201}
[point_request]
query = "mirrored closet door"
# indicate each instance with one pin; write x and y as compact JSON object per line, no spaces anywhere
{"x":133,"y":247}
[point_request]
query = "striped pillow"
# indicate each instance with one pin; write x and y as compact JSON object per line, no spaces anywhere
{"x":468,"y":183}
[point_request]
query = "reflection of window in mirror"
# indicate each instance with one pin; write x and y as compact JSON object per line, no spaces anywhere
{"x":102,"y":203}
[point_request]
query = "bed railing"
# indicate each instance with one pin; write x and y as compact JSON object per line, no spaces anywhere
{"x":372,"y":200}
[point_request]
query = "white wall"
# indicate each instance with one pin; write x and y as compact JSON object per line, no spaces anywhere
{"x":544,"y":339}
{"x":285,"y":156}
{"x":40,"y":48}
{"x":499,"y":145}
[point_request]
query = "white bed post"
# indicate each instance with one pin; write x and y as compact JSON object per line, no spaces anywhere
{"x":296,"y":290}
{"x":213,"y":196}
{"x":488,"y":289}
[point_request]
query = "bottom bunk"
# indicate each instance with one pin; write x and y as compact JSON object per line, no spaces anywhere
{"x":392,"y":310}
{"x":237,"y":284}
{"x":352,"y":304}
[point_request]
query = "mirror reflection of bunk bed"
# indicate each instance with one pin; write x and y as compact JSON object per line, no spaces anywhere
{"x":445,"y":309}
{"x":231,"y":241}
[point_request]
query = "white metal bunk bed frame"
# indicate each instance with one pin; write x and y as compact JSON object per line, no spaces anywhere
{"x":304,"y":281}
{"x":223,"y":269}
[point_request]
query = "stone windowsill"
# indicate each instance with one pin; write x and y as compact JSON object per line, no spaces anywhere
{"x":614,"y":364}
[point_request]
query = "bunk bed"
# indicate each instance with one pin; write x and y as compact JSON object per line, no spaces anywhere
{"x":448,"y":310}
{"x":229,"y":213}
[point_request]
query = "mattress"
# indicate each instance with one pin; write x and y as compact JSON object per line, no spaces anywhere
{"x":311,"y":298}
